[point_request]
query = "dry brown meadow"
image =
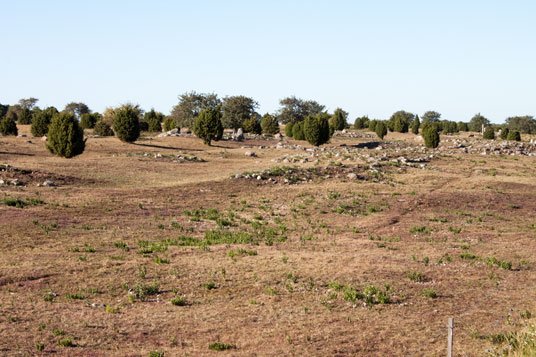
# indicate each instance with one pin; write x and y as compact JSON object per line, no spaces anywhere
{"x":334,"y":265}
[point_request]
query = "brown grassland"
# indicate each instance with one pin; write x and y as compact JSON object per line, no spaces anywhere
{"x":332,"y":266}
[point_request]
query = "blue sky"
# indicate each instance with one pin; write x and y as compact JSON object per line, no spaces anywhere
{"x":368,"y":57}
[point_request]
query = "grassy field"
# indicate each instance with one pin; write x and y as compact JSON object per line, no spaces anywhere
{"x":156,"y":247}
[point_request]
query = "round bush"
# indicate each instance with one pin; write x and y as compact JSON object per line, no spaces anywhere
{"x":504,"y":133}
{"x":41,"y":121}
{"x":103,"y":129}
{"x":8,"y":126}
{"x":252,"y":125}
{"x":400,"y":125}
{"x":65,"y":136}
{"x":514,"y":135}
{"x":170,"y":124}
{"x":361,"y":122}
{"x":288,"y":129}
{"x":316,"y":130}
{"x":337,"y":121}
{"x":431,"y":136}
{"x":25,"y":116}
{"x":126,"y":124}
{"x":297,"y":131}
{"x":381,"y":129}
{"x":489,"y":133}
{"x":88,"y":121}
{"x":269,"y":124}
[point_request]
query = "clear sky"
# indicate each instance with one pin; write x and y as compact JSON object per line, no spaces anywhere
{"x":368,"y":57}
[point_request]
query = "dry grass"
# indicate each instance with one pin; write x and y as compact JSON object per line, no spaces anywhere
{"x":63,"y":264}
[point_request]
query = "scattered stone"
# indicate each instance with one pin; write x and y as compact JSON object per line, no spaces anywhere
{"x":250,"y":154}
{"x":44,"y":138}
{"x":352,"y":176}
{"x":278,"y":136}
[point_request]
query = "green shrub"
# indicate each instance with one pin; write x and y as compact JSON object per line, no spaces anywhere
{"x":25,"y":116}
{"x":297,"y":131}
{"x":372,"y":125}
{"x":361,"y":122}
{"x":153,"y":120}
{"x":400,"y":124}
{"x":337,"y":121}
{"x":103,"y":129}
{"x":431,"y":136}
{"x":450,"y":127}
{"x":489,"y":133}
{"x":316,"y":129}
{"x":269,"y":124}
{"x":170,"y":124}
{"x":252,"y":125}
{"x":288,"y":129}
{"x":219,"y":346}
{"x":65,"y":136}
{"x":504,"y":133}
{"x":126,"y":124}
{"x":514,"y":135}
{"x":415,"y":125}
{"x":41,"y":121}
{"x":88,"y":120}
{"x":381,"y":129}
{"x":208,"y":125}
{"x":8,"y":126}
{"x":461,"y":126}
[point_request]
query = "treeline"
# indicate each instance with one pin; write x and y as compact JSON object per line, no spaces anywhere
{"x":207,"y":115}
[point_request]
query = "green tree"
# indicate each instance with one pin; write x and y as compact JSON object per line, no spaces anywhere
{"x":208,"y":125}
{"x":78,"y":109}
{"x":316,"y":129}
{"x":430,"y":133}
{"x":514,"y":135}
{"x":127,"y":123}
{"x":415,"y":125}
{"x":401,"y":119}
{"x":381,"y":129}
{"x":236,"y":109}
{"x":524,"y":124}
{"x":28,"y":103}
{"x":372,"y":125}
{"x":431,"y":116}
{"x":504,"y":133}
{"x":103,"y":129}
{"x":170,"y":124}
{"x":338,"y":120}
{"x":252,"y":125}
{"x":269,"y":124}
{"x":3,"y":110}
{"x":88,"y":120}
{"x":8,"y":125}
{"x":477,"y":121}
{"x":489,"y":133}
{"x":462,"y":126}
{"x":190,"y":105}
{"x":153,"y":120}
{"x":297,"y":131}
{"x":65,"y":136}
{"x":25,"y":116}
{"x":361,"y":122}
{"x":41,"y":121}
{"x":288,"y":129}
{"x":449,"y":127}
{"x":294,"y":110}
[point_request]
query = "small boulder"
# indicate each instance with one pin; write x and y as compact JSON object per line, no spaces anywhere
{"x":250,"y":154}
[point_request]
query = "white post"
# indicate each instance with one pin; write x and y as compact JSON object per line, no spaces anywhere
{"x":450,"y":327}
